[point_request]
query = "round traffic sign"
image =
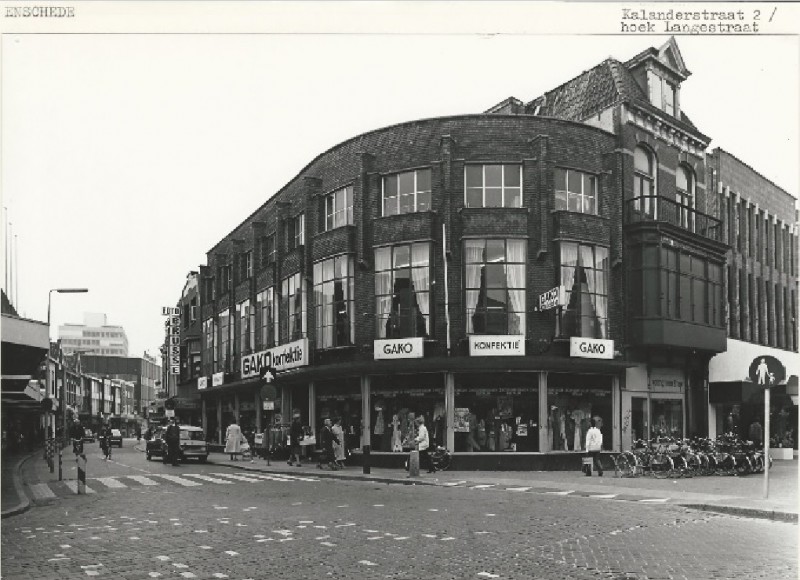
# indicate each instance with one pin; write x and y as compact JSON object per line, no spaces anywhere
{"x":268,"y":392}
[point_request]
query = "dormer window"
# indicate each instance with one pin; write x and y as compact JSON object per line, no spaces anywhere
{"x":663,"y":94}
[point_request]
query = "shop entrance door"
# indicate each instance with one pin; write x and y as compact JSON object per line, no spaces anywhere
{"x":635,"y":419}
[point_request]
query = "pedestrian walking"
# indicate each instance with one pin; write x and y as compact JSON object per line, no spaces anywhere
{"x":172,"y":437}
{"x":295,"y":436}
{"x":105,"y":441}
{"x":423,"y":443}
{"x":594,"y":444}
{"x":233,"y":440}
{"x":338,"y":445}
{"x":327,"y":438}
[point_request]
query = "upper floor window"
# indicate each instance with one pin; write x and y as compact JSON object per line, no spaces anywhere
{"x":576,"y":191}
{"x":293,"y":306}
{"x":493,"y":185}
{"x":245,"y":265}
{"x":495,"y":286}
{"x":224,"y":279}
{"x":266,"y":250}
{"x":407,"y":192}
{"x":644,"y":180}
{"x":266,"y":318}
{"x":224,"y":343}
{"x":662,"y":94}
{"x":333,"y":300}
{"x":684,"y":195}
{"x":584,"y":275}
{"x":245,"y":329}
{"x":339,"y":208}
{"x":295,"y":231}
{"x":402,"y":290}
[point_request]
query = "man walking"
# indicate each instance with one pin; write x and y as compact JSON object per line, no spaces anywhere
{"x":594,"y":444}
{"x":423,"y":442}
{"x":172,"y":437}
{"x":295,"y":435}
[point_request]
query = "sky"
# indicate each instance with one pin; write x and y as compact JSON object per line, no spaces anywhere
{"x":126,"y":157}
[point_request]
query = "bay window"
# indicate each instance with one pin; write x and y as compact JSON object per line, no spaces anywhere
{"x":333,"y":301}
{"x":584,"y":275}
{"x":495,"y":286}
{"x":266,"y":318}
{"x":402,"y":290}
{"x":293,"y":306}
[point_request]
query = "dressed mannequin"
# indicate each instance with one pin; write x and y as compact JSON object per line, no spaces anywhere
{"x":397,"y":444}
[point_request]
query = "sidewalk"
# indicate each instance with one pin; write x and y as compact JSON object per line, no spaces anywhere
{"x":740,"y":496}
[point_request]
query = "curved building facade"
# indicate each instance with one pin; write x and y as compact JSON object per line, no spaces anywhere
{"x":510,"y":276}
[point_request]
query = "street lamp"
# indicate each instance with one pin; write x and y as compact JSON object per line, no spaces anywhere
{"x":63,"y":393}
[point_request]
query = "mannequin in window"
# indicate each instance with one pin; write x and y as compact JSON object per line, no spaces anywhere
{"x":397,"y":443}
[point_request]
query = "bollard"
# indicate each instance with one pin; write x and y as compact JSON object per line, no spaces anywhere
{"x":50,"y":454}
{"x":60,"y":471}
{"x":81,"y":460}
{"x":365,"y":466}
{"x":413,"y":464}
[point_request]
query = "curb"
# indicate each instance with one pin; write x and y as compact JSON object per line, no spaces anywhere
{"x":744,"y":512}
{"x":25,"y":503}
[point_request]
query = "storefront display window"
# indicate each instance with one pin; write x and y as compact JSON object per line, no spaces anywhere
{"x":496,"y":413}
{"x":572,"y":401}
{"x":342,"y":400}
{"x":395,"y":406}
{"x":667,"y":417}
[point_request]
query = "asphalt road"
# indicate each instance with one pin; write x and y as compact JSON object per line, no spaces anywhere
{"x":149,"y":520}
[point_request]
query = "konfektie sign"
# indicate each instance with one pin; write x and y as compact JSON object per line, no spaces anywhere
{"x":281,"y":358}
{"x":583,"y":347}
{"x":496,"y":345}
{"x":392,"y":348}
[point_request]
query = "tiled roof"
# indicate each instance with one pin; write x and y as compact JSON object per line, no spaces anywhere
{"x":577,"y":99}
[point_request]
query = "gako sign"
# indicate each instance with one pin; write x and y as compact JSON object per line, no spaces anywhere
{"x":398,"y":348}
{"x":583,"y":347}
{"x":281,"y":358}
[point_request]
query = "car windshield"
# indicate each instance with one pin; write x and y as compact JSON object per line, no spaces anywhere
{"x":116,"y":432}
{"x":193,"y":435}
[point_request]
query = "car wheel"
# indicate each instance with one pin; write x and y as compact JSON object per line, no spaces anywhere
{"x":148,"y":456}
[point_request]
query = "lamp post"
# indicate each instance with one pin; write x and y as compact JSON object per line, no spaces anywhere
{"x":63,"y":393}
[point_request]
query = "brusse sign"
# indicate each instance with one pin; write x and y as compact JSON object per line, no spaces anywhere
{"x":398,"y":348}
{"x":281,"y":358}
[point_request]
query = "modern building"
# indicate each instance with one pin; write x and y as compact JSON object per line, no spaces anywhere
{"x":760,"y":225}
{"x":94,"y":336}
{"x":115,"y":371}
{"x":510,"y":276}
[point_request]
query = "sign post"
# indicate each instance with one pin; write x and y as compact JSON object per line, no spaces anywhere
{"x":766,"y":371}
{"x":268,"y":395}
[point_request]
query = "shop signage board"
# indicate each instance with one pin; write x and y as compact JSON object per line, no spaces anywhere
{"x":496,"y":345}
{"x":269,"y":405}
{"x":398,"y":348}
{"x":281,"y":358}
{"x":217,"y":379}
{"x":553,"y":298}
{"x":582,"y":347}
{"x":172,"y":326}
{"x":202,"y":383}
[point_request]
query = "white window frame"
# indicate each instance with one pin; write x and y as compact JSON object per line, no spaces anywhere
{"x":417,"y":191}
{"x":343,"y":217}
{"x":503,"y":187}
{"x":582,"y":195}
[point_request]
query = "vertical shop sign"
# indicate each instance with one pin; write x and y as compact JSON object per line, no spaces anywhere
{"x":173,"y":338}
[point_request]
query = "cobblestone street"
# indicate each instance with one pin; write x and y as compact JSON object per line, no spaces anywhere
{"x":267,"y":527}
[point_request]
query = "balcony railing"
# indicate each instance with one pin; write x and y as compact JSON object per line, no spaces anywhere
{"x":653,"y":208}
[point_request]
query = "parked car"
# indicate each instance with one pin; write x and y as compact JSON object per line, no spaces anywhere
{"x":88,"y":435}
{"x":116,"y":438}
{"x":192,"y":442}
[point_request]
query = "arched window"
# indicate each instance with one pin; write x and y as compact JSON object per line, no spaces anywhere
{"x":644,"y":180}
{"x":684,"y":195}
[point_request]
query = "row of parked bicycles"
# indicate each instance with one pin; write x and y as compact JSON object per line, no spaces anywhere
{"x":664,"y":457}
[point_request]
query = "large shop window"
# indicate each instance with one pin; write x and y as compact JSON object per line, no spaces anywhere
{"x":493,"y":185}
{"x":339,"y":208}
{"x":396,"y":403}
{"x":402,"y":290}
{"x":293,"y":304}
{"x":333,"y":300}
{"x":266,"y":318}
{"x":209,"y":346}
{"x":225,"y":342}
{"x":407,"y":192}
{"x":644,"y":181}
{"x":572,"y":402}
{"x":576,"y":191}
{"x":495,"y":286}
{"x":584,"y":275}
{"x":667,"y":418}
{"x":340,"y":400}
{"x":496,"y":413}
{"x":246,"y":332}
